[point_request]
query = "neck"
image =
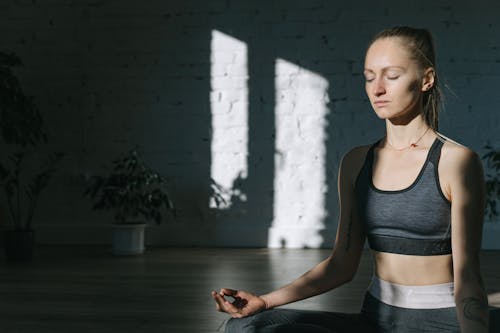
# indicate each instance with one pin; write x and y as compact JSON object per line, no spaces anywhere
{"x":403,"y":136}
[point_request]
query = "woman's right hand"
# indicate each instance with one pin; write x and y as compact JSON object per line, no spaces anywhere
{"x":243,"y":304}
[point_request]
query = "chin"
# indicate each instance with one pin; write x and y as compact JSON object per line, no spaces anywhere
{"x":397,"y":118}
{"x":384,"y":114}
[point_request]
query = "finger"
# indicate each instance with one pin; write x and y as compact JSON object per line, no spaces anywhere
{"x":224,"y":305}
{"x":214,"y":294}
{"x":240,"y":302}
{"x":217,"y":306}
{"x":238,"y":315}
{"x":220,"y":302}
{"x":228,"y":292}
{"x":230,"y":308}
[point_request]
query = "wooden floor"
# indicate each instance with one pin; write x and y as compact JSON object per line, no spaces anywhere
{"x":82,"y":289}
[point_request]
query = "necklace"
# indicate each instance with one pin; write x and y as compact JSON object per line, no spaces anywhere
{"x":412,"y":145}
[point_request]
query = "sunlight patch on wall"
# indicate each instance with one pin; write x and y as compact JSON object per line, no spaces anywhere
{"x":229,"y":108}
{"x":300,"y":175}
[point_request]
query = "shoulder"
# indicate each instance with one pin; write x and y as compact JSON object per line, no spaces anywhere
{"x":357,"y":152}
{"x":456,"y":158}
{"x":353,"y":161}
{"x":459,"y":165}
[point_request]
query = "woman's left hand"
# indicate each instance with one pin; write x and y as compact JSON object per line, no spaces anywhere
{"x":243,"y":304}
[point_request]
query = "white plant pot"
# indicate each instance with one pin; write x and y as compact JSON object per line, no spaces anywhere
{"x":128,"y":239}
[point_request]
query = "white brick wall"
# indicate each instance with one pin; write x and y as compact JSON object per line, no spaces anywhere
{"x":110,"y":75}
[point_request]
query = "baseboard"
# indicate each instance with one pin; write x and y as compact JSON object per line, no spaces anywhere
{"x":224,"y":235}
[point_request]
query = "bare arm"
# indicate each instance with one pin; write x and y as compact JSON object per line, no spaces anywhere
{"x":332,"y":272}
{"x":467,"y":196}
{"x":341,"y":266}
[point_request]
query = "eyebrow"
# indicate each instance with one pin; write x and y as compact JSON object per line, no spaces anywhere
{"x":386,"y":68}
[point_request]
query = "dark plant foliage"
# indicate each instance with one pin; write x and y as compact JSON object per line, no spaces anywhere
{"x":217,"y":192}
{"x":21,"y":130}
{"x":20,"y":120}
{"x":134,"y":191}
{"x":492,"y":159}
{"x":22,"y":194}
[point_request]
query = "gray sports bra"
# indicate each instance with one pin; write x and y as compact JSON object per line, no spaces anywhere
{"x":413,"y":221}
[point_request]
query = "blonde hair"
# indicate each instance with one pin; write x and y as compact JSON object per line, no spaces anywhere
{"x":420,"y":45}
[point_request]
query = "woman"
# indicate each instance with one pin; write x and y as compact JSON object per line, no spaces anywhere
{"x":417,"y":197}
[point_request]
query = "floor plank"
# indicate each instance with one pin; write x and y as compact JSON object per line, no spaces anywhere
{"x":85,"y":289}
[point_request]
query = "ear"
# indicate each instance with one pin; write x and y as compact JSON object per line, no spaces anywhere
{"x":428,"y":79}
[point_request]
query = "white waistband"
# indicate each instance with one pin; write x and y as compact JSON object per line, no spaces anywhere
{"x":433,"y":296}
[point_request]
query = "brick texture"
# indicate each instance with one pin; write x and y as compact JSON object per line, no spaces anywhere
{"x":111,"y":75}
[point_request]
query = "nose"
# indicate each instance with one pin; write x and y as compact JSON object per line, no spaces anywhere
{"x":378,"y":87}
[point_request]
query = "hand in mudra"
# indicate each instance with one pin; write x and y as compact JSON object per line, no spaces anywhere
{"x":243,"y":304}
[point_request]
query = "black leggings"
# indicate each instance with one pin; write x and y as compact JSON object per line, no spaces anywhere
{"x":375,"y":316}
{"x":295,"y":321}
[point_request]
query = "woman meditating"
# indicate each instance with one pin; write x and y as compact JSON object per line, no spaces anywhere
{"x":415,"y":195}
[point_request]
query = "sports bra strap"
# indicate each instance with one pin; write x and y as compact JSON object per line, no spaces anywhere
{"x":435,"y":152}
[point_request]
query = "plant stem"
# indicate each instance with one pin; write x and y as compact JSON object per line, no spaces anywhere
{"x":11,"y":208}
{"x":18,"y":195}
{"x":31,"y":212}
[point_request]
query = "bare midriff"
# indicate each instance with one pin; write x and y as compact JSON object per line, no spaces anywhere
{"x":413,"y":270}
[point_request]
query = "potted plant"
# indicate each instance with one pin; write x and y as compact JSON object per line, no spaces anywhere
{"x":22,"y":177}
{"x":491,"y":229}
{"x":136,"y":194}
{"x":21,"y":194}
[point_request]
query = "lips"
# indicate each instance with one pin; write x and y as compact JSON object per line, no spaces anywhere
{"x":380,"y":103}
